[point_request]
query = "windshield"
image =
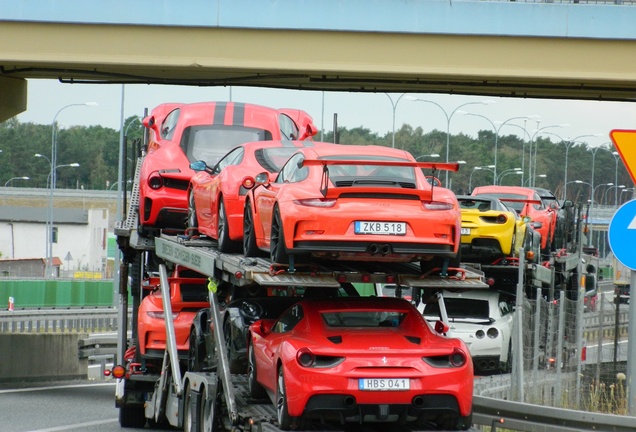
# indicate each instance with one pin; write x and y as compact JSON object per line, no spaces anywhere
{"x":516,"y":205}
{"x":211,"y":143}
{"x":365,"y":173}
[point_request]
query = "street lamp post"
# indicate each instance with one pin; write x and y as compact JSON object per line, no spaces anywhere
{"x":504,"y":173}
{"x":478,"y":168}
{"x":527,"y":181}
{"x":594,"y":150}
{"x":14,"y":178}
{"x":394,"y":106}
{"x":497,"y":129}
{"x":593,"y":193}
{"x":448,"y":120}
{"x":507,"y":173}
{"x":433,"y":156}
{"x":627,"y":190}
{"x":532,"y":159}
{"x":53,"y":162}
{"x":616,"y":158}
{"x":604,"y":198}
{"x":569,"y":143}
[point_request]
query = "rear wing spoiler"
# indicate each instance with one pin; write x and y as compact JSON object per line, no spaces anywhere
{"x":435,"y":166}
{"x":529,"y":201}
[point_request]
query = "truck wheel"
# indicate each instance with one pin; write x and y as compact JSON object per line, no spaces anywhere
{"x":282,"y":415}
{"x":132,"y":416}
{"x":249,"y":235}
{"x":189,"y":415}
{"x":226,"y":244}
{"x":192,"y":222}
{"x":209,"y":414}
{"x":278,"y":254}
{"x":255,"y":389}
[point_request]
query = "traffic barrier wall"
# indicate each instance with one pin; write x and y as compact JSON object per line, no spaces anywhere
{"x":41,"y":357}
{"x":42,"y":293}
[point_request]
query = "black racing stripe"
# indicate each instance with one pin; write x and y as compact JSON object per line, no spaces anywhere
{"x":239,"y":114}
{"x":219,"y":113}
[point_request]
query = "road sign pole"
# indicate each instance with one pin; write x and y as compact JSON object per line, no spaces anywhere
{"x":631,"y":352}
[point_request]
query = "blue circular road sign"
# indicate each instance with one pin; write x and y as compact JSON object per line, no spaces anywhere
{"x":622,"y":234}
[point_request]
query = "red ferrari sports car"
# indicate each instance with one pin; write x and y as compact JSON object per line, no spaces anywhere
{"x":185,"y":133}
{"x":216,"y":196}
{"x":365,"y":359}
{"x":356,"y":203}
{"x":188,"y":294}
{"x":526,"y":202}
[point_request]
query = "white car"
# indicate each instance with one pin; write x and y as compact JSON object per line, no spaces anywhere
{"x":483,"y":319}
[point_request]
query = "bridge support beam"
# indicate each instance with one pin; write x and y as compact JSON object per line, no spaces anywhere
{"x":14,"y":97}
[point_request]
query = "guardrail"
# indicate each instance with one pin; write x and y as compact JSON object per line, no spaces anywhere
{"x":59,"y":320}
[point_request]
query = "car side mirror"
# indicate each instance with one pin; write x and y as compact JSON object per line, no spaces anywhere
{"x":262,"y":178}
{"x":568,"y":204}
{"x":198,"y":166}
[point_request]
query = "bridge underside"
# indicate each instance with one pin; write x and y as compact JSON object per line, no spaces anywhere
{"x":318,"y":60}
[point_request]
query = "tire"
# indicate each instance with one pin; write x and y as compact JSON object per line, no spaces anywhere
{"x":226,"y":244}
{"x":236,"y":366}
{"x":132,"y":416}
{"x":192,"y":223}
{"x":277,"y":251}
{"x":209,"y":412}
{"x":256,"y":390}
{"x":249,"y":234}
{"x":282,"y":415}
{"x":196,"y":351}
{"x":190,"y":417}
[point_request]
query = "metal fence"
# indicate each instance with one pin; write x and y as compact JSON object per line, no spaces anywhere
{"x":59,"y":320}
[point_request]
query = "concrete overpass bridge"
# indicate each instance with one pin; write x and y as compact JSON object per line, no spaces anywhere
{"x":531,"y":49}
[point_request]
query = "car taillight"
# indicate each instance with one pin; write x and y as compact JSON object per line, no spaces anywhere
{"x":436,"y":205}
{"x":155,"y":181}
{"x":248,"y":182}
{"x":502,"y":218}
{"x":492,"y":333}
{"x":458,"y":358}
{"x":119,"y":371}
{"x":316,"y":202}
{"x":305,"y":357}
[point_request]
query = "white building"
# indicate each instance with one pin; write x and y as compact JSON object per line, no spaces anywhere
{"x":80,"y":238}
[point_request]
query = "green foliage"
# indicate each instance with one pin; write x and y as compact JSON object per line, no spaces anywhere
{"x":96,"y":149}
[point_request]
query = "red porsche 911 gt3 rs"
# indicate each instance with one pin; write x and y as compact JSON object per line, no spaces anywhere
{"x":356,"y":203}
{"x":216,"y":196}
{"x":365,"y":359}
{"x":185,"y":133}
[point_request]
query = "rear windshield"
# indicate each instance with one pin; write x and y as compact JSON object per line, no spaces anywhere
{"x":363,"y":318}
{"x":459,"y":308}
{"x":517,"y":206}
{"x":211,"y":143}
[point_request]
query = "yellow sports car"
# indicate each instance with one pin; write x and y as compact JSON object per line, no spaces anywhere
{"x":489,"y":229}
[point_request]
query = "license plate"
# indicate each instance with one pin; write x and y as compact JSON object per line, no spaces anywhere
{"x":384,"y":384}
{"x":465,"y":231}
{"x":383,"y":228}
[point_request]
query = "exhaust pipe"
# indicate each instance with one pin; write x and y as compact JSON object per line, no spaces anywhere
{"x":374,"y":248}
{"x":385,"y":249}
{"x":418,"y":401}
{"x":349,"y":402}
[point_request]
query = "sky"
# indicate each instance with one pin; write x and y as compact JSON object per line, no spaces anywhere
{"x":373,"y":111}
